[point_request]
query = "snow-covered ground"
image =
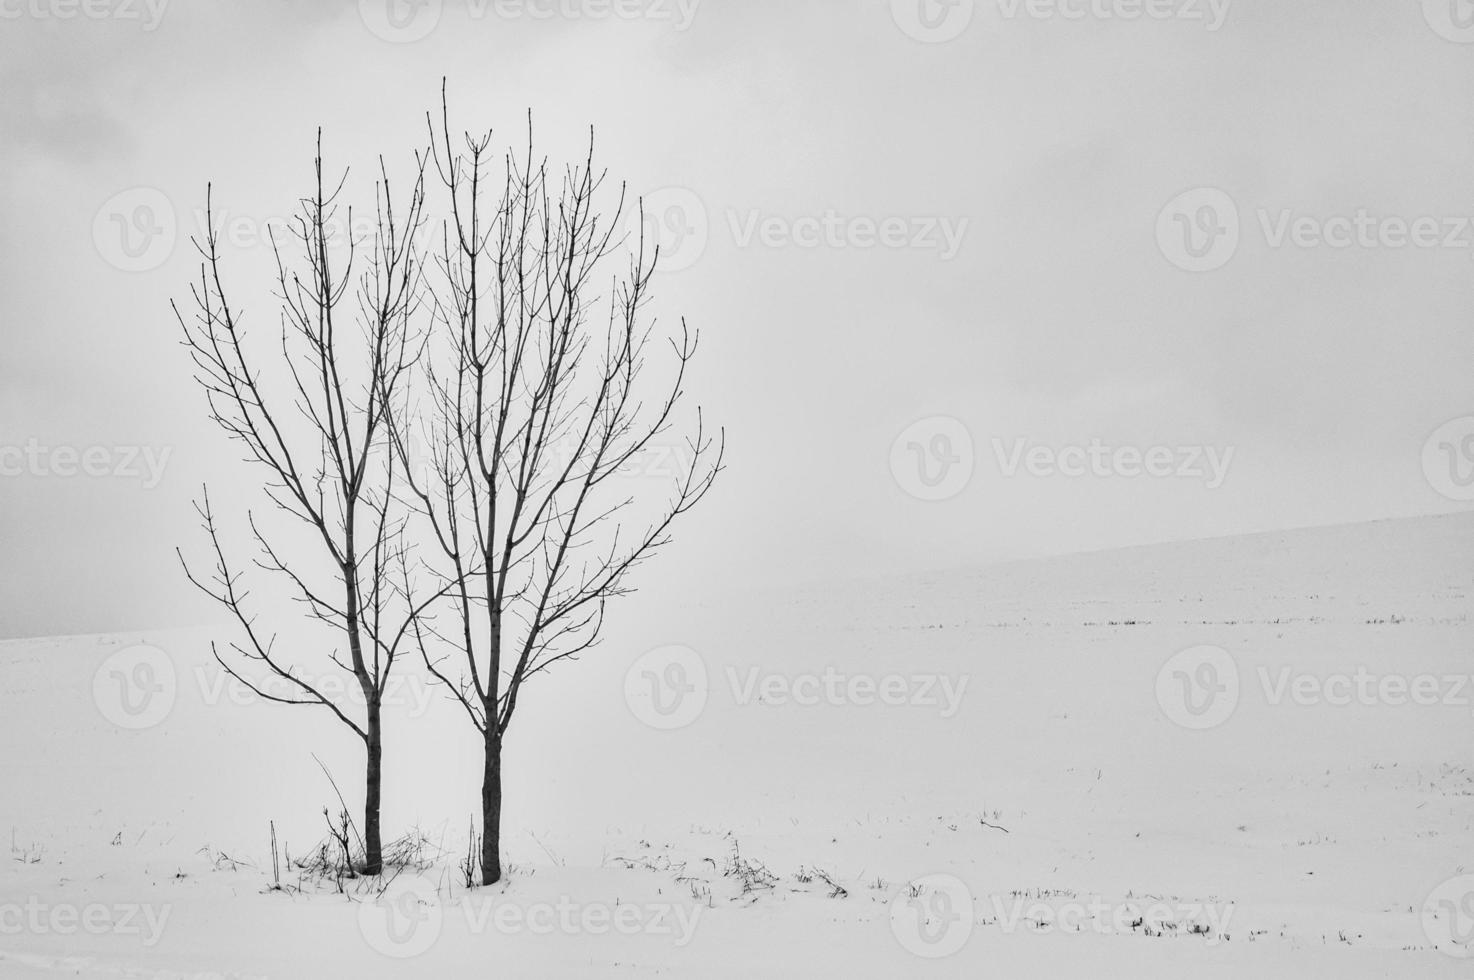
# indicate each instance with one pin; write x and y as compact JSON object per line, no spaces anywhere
{"x":1007,"y":772}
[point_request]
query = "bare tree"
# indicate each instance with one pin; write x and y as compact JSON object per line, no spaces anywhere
{"x":312,"y":416}
{"x":533,"y":402}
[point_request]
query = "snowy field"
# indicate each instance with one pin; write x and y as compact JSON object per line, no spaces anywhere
{"x":1006,"y":772}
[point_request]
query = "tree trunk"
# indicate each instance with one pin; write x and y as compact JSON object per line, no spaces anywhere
{"x":373,"y":857}
{"x":491,"y":809}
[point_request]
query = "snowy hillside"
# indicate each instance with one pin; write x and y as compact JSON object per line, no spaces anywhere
{"x":1249,"y":757}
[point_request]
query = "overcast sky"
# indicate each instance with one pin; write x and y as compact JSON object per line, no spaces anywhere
{"x":966,"y":251}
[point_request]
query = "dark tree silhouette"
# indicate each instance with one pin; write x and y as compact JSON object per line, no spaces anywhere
{"x":534,"y":403}
{"x":312,"y":416}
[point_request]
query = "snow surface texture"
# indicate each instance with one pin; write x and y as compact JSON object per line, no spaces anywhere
{"x":1248,"y":757}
